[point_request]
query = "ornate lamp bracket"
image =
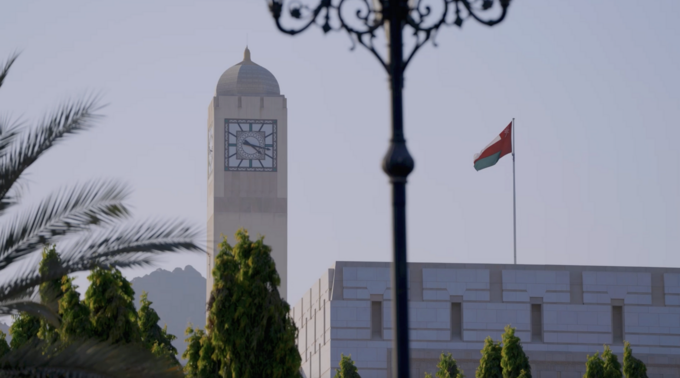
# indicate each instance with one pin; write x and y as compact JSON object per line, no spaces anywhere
{"x":360,"y":19}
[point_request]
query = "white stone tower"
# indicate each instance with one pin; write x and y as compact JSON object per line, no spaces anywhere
{"x":247,"y":163}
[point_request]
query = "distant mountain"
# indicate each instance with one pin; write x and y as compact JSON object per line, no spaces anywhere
{"x":178,"y":297}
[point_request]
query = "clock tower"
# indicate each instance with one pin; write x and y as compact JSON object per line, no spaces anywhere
{"x":247,"y":163}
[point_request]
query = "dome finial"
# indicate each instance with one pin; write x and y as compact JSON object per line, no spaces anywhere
{"x":247,"y":78}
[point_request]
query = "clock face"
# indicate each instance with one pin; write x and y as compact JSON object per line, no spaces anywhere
{"x":250,"y":145}
{"x":211,"y":149}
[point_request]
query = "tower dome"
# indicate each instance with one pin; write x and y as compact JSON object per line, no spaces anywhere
{"x":247,"y":79}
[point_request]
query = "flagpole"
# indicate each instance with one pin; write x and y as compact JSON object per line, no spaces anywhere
{"x":514,"y":193}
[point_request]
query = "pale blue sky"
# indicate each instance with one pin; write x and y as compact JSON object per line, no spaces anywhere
{"x":594,"y":86}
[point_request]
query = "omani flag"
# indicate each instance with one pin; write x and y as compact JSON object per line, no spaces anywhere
{"x":499,"y":147}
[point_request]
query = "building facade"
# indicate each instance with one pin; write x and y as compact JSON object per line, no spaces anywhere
{"x":247,"y":163}
{"x":561,"y":314}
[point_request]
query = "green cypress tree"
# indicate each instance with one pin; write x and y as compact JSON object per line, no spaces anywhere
{"x":632,"y":367}
{"x":594,"y":367}
{"x":112,"y":311}
{"x":157,"y":339}
{"x":490,"y":363}
{"x":610,"y":364}
{"x":448,"y":368}
{"x":208,"y":365}
{"x":193,"y":351}
{"x":24,"y":328}
{"x":513,"y":359}
{"x":4,"y":347}
{"x":50,"y":291}
{"x":28,"y":326}
{"x":75,"y":315}
{"x":347,"y":368}
{"x":249,"y":322}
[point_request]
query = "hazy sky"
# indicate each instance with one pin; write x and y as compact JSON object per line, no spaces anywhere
{"x":594,"y":86}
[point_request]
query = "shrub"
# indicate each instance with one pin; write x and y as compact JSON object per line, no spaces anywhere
{"x":610,"y":364}
{"x":514,"y":361}
{"x":594,"y":367}
{"x":490,"y":363}
{"x":347,"y":368}
{"x":632,"y":367}
{"x":448,"y":368}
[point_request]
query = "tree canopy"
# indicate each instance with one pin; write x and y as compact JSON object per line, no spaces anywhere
{"x":249,"y":333}
{"x":107,"y":314}
{"x":4,"y":347}
{"x":157,"y":339}
{"x":199,"y":355}
{"x":610,"y":364}
{"x":50,"y":291}
{"x":27,"y":326}
{"x":632,"y":367}
{"x":75,"y":315}
{"x":193,"y":352}
{"x":24,"y":328}
{"x":594,"y":367}
{"x":448,"y":368}
{"x":490,"y":363}
{"x":112,"y":311}
{"x":248,"y":320}
{"x":514,"y":361}
{"x":347,"y":368}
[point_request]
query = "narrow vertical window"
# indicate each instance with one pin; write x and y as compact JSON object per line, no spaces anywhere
{"x":314,"y":331}
{"x":536,"y":323}
{"x":376,"y":320}
{"x":297,"y":337}
{"x":456,"y":322}
{"x":306,"y":339}
{"x":324,"y":322}
{"x":617,"y":324}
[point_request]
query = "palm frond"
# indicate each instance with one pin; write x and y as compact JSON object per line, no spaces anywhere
{"x":8,"y":64}
{"x":67,"y":211}
{"x":41,"y":304}
{"x":9,"y":129}
{"x":32,"y":307}
{"x":133,"y":245}
{"x":128,"y":243}
{"x":86,"y":359}
{"x":69,"y":118}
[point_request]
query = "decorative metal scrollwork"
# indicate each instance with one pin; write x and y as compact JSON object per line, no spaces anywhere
{"x":361,"y":19}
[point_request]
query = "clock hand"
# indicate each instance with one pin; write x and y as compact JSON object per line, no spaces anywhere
{"x":254,"y":146}
{"x":257,"y":148}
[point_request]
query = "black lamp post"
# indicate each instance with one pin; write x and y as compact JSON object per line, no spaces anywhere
{"x":395,"y":17}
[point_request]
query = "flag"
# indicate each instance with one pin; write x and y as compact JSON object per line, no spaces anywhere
{"x":499,"y":147}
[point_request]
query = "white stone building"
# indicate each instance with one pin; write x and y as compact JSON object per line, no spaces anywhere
{"x":561,"y":313}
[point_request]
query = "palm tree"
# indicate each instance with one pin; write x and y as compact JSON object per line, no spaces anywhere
{"x":91,"y":223}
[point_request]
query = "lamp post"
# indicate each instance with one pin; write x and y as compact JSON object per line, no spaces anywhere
{"x":422,"y":18}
